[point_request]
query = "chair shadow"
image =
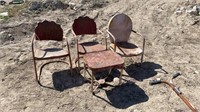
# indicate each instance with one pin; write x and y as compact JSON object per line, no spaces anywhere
{"x":124,"y":96}
{"x":63,"y":80}
{"x":126,"y":45}
{"x":144,"y":71}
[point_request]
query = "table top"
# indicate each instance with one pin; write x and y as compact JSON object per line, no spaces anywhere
{"x":103,"y":59}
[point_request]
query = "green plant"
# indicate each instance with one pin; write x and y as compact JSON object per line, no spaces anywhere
{"x":4,"y":17}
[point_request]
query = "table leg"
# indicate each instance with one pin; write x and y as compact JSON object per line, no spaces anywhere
{"x":92,"y":80}
{"x":110,"y":71}
{"x":120,"y":76}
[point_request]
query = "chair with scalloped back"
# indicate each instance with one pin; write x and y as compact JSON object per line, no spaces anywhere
{"x":84,"y":26}
{"x":48,"y":31}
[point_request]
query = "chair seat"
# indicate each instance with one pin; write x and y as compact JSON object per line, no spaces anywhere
{"x":50,"y":53}
{"x":127,"y":49}
{"x":88,"y":47}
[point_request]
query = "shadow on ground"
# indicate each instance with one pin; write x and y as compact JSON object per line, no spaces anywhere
{"x":64,"y":80}
{"x":124,"y":96}
{"x":144,"y":71}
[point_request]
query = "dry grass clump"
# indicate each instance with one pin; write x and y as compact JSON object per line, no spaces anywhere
{"x":13,"y":10}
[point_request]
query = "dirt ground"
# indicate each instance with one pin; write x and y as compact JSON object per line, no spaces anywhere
{"x":172,"y":44}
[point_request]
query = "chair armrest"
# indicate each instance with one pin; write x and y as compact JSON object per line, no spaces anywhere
{"x":103,"y":37}
{"x":111,"y":35}
{"x":137,"y":34}
{"x":67,"y":45}
{"x":76,"y":39}
{"x":33,"y":41}
{"x":73,"y":32}
{"x":143,"y":45}
{"x":74,"y":35}
{"x":33,"y":45}
{"x":65,"y":39}
{"x":100,"y":31}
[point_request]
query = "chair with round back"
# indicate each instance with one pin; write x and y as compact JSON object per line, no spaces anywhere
{"x":119,"y":30}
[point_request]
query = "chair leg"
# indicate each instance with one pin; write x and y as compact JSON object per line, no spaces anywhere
{"x":78,"y":62}
{"x":70,"y":62}
{"x":35,"y":67}
{"x":143,"y":50}
{"x":142,"y":57}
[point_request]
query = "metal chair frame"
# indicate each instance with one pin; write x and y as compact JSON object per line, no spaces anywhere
{"x":46,"y":36}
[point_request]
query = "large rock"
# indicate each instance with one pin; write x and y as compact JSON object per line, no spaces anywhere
{"x":5,"y":36}
{"x":195,"y":10}
{"x":34,"y":6}
{"x":47,"y":4}
{"x":54,"y":4}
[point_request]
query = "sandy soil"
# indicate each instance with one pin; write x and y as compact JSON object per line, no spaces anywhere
{"x":172,"y":44}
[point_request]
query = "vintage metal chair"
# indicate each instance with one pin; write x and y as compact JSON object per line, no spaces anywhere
{"x":48,"y":31}
{"x":119,"y":30}
{"x":81,"y":27}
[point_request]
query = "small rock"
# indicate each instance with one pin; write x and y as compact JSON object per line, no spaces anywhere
{"x":9,"y":35}
{"x":1,"y":33}
{"x":2,"y":80}
{"x":196,"y":72}
{"x":116,"y":81}
{"x":17,"y":2}
{"x":4,"y":14}
{"x":179,"y":10}
{"x":71,"y":4}
{"x":6,"y":36}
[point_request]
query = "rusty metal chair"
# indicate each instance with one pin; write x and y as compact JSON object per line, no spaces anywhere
{"x":119,"y":30}
{"x":48,"y":31}
{"x":83,"y":27}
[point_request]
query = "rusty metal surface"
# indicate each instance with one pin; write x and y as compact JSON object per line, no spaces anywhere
{"x":41,"y":54}
{"x":103,"y":59}
{"x":84,"y":25}
{"x":49,"y":30}
{"x":88,"y":47}
{"x":120,"y":27}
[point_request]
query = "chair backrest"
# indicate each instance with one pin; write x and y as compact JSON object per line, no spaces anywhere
{"x":49,"y":30}
{"x":84,"y":25}
{"x":120,"y":26}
